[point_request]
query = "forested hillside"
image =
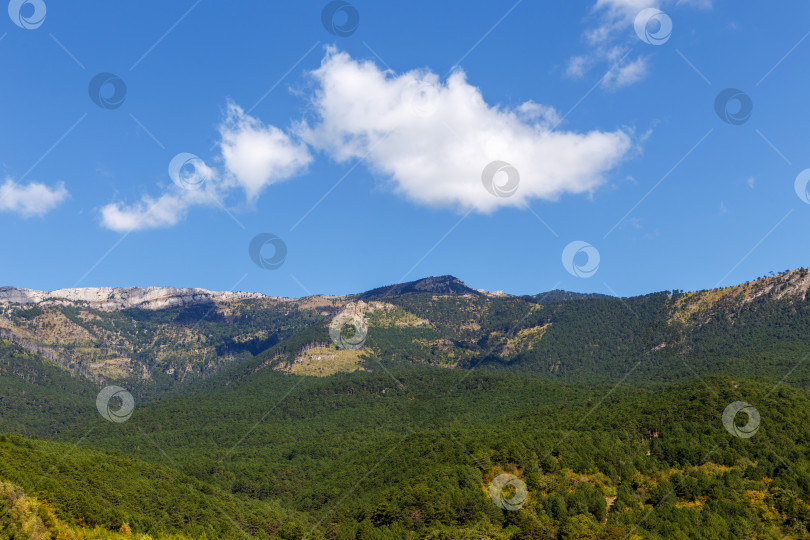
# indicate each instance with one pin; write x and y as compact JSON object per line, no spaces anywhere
{"x":360,"y":457}
{"x":435,"y":411}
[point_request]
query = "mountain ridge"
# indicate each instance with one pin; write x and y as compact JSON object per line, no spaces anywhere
{"x":161,"y":297}
{"x":113,"y":298}
{"x":161,"y":338}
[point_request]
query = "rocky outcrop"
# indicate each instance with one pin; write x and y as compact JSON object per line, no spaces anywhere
{"x":789,"y":284}
{"x":117,"y":298}
{"x":492,"y":294}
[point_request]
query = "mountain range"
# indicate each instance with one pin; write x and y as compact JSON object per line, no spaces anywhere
{"x":162,"y":337}
{"x":393,"y":412}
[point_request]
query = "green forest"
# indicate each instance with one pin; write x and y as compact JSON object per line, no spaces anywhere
{"x":569,"y":416}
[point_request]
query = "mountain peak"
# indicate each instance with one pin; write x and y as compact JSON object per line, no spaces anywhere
{"x":435,"y":284}
{"x":559,"y":295}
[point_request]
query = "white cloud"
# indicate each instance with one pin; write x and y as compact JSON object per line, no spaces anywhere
{"x":257,"y":155}
{"x":615,"y":16}
{"x":624,"y":75}
{"x":33,"y":199}
{"x":149,"y":213}
{"x":433,"y":139}
{"x":430,"y":138}
{"x":612,"y":34}
{"x":169,"y":208}
{"x":578,"y":66}
{"x":635,"y":223}
{"x":254,"y":155}
{"x":618,"y":15}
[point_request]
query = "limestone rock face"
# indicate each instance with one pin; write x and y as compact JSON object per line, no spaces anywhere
{"x":117,"y":298}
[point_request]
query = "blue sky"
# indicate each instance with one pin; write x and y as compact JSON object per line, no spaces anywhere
{"x":364,"y":153}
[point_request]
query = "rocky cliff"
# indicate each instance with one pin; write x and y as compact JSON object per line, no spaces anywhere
{"x":117,"y":298}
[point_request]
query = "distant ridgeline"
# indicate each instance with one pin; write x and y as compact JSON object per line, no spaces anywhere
{"x":159,"y":338}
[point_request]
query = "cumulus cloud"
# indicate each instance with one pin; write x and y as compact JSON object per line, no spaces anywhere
{"x":257,"y":155}
{"x":32,"y":199}
{"x":200,"y":185}
{"x":253,"y":156}
{"x":432,"y":139}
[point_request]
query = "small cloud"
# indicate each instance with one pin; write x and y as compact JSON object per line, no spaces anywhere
{"x":578,"y":66}
{"x":258,"y":155}
{"x":620,"y":76}
{"x":635,"y":223}
{"x":538,"y":115}
{"x":723,"y":209}
{"x":614,"y":17}
{"x":101,"y":170}
{"x":751,"y":181}
{"x":612,"y":32}
{"x":148,"y":213}
{"x":254,"y":156}
{"x":32,"y":199}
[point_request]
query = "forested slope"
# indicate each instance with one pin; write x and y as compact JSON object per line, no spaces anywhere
{"x":465,"y":414}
